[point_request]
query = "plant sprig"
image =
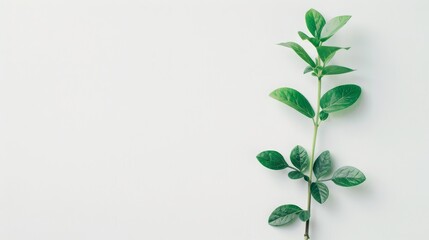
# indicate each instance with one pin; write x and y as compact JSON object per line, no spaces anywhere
{"x":315,"y":172}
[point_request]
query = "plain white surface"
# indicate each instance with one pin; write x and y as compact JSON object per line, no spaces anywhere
{"x":142,"y":119}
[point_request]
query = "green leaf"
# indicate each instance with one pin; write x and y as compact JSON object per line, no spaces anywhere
{"x":303,"y":36}
{"x":313,"y":41}
{"x":295,"y":175}
{"x":319,"y":191}
{"x":340,"y":98}
{"x":272,"y":160}
{"x":334,"y":70}
{"x":304,"y":215}
{"x":306,"y":178}
{"x":315,"y":22}
{"x":326,"y":53}
{"x":323,"y":115}
{"x":323,"y":165}
{"x":294,"y":99}
{"x":284,"y":214}
{"x":308,"y":69}
{"x":348,"y":177}
{"x":300,"y":51}
{"x":299,"y":158}
{"x":332,"y":26}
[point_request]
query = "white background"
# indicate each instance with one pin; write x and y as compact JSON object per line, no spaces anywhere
{"x":142,"y":119}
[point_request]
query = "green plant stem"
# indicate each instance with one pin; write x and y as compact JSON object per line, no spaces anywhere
{"x":316,"y":127}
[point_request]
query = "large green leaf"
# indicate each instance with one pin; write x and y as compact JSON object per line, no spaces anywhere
{"x":348,"y":177}
{"x":340,"y":98}
{"x":326,"y":53}
{"x":284,"y":214}
{"x":295,"y":175}
{"x":319,"y":191}
{"x":315,"y":22}
{"x":313,"y":41}
{"x":334,"y":70}
{"x":322,"y":165}
{"x":299,"y":158}
{"x":300,"y":51}
{"x":272,"y":160}
{"x":294,"y":99}
{"x":332,"y":26}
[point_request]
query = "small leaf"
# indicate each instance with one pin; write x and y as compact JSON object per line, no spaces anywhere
{"x":272,"y":160}
{"x":326,"y":53}
{"x":283,"y":215}
{"x":313,"y":41}
{"x":323,"y":115}
{"x":315,"y":22}
{"x":306,"y":178}
{"x":295,"y":175}
{"x":319,"y":191}
{"x":308,"y":69}
{"x":300,"y":51}
{"x":317,"y":60}
{"x":340,"y":97}
{"x":322,"y":165}
{"x":303,"y":36}
{"x":348,"y":177}
{"x":334,"y":70}
{"x":332,"y":26}
{"x":304,"y":215}
{"x":294,"y":99}
{"x":299,"y":158}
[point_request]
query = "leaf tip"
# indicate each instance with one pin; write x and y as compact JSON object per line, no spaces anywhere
{"x":284,"y":44}
{"x":310,"y":10}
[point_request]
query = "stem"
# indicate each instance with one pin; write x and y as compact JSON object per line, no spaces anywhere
{"x":316,"y":127}
{"x":294,"y":168}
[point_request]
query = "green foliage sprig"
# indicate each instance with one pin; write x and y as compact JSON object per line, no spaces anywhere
{"x":315,"y":172}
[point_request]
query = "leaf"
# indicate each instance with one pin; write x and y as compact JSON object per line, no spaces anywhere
{"x":319,"y":191}
{"x":304,"y":215}
{"x":340,"y":97}
{"x":313,"y":41}
{"x":315,"y":22}
{"x":323,"y":165}
{"x":332,"y":26}
{"x":326,"y":53}
{"x":294,"y":99}
{"x":308,"y":69}
{"x":295,"y":175}
{"x":303,"y":36}
{"x":334,"y":70}
{"x":323,"y":115}
{"x":348,"y":177}
{"x":283,"y":215}
{"x":272,"y":160}
{"x":306,"y":178}
{"x":300,"y":51}
{"x":299,"y":158}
